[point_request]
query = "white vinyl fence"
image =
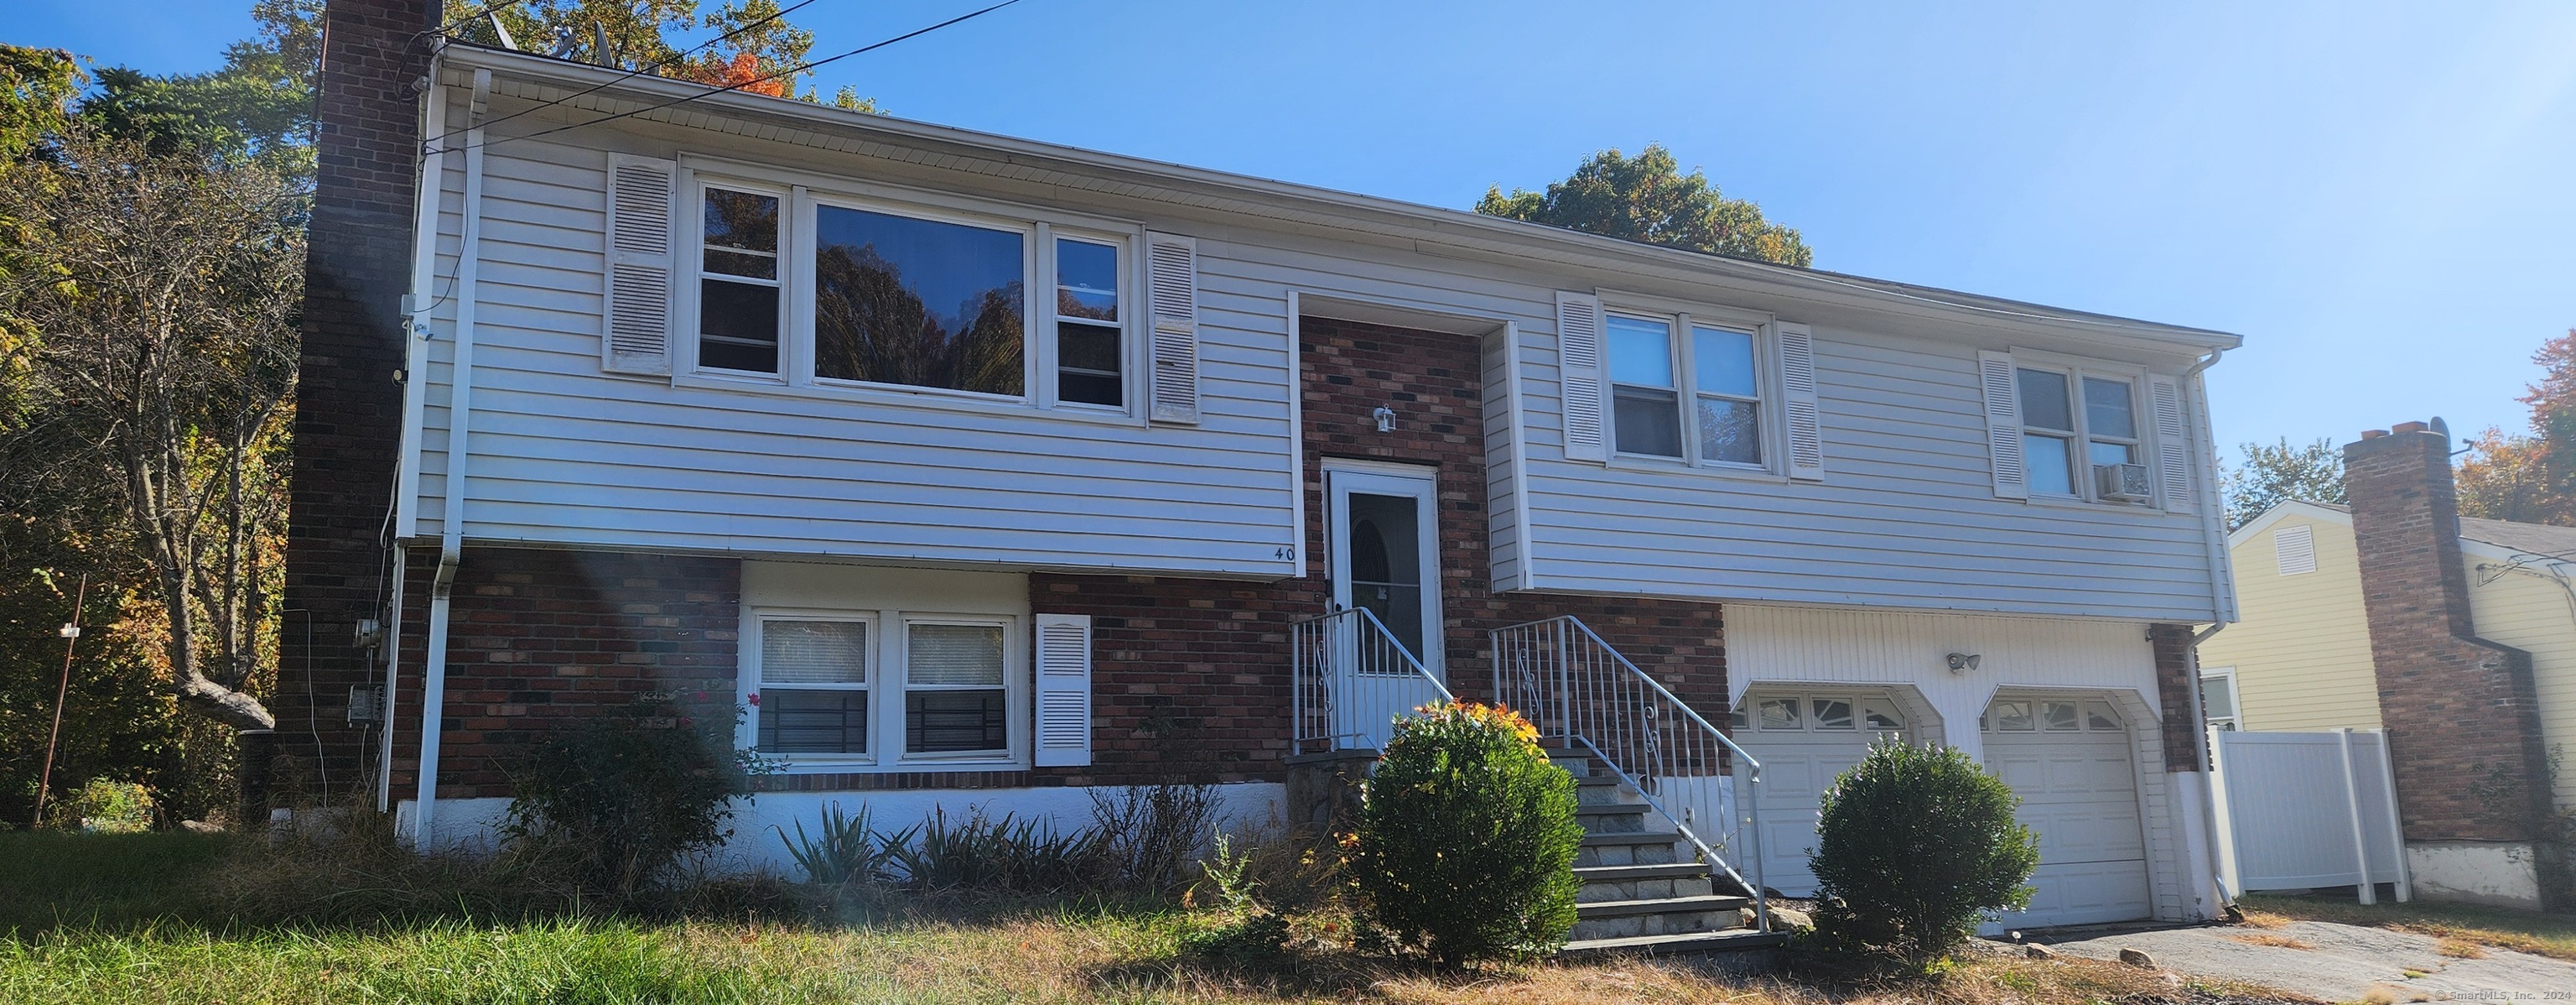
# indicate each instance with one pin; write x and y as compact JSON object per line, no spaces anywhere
{"x":2303,"y":810}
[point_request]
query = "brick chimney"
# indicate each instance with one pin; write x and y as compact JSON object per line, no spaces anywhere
{"x":348,"y":410}
{"x":2461,"y":712}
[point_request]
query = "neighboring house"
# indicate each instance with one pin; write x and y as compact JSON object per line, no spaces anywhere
{"x":2458,"y":636}
{"x":981,"y":470}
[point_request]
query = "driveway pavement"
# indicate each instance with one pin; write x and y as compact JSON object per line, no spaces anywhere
{"x":2342,"y":963}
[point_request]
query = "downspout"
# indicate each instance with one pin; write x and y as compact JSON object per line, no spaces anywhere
{"x":451,"y":516}
{"x":417,"y":307}
{"x":2222,"y":595}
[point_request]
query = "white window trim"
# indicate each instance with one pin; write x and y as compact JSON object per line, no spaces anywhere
{"x":801,"y":192}
{"x":1681,"y":316}
{"x":1745,"y":719}
{"x":888,"y":635}
{"x":2235,"y":717}
{"x":2141,"y":416}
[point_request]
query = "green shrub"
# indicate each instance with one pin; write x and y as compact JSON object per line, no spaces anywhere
{"x":612,"y":801}
{"x":1018,"y":856}
{"x":102,"y":806}
{"x":843,"y":849}
{"x":1467,"y":837}
{"x":1915,"y":846}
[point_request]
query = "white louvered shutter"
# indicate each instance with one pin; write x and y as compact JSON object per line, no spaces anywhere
{"x":1172,"y":290}
{"x":2003,"y":424}
{"x":2173,"y":444}
{"x":1798,"y":399}
{"x":1064,"y":690}
{"x":636,"y":335}
{"x":2294,"y":549}
{"x":1578,"y":368}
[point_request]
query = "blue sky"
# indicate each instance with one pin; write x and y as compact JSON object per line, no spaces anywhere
{"x":2378,"y":197}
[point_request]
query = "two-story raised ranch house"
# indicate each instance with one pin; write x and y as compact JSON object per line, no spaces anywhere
{"x":981,"y":471}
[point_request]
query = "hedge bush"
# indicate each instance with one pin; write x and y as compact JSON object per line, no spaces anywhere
{"x":615,"y":799}
{"x":1915,"y":847}
{"x":1467,"y":837}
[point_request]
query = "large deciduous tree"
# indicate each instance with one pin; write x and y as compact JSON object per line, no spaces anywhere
{"x":2275,"y":473}
{"x":156,"y":297}
{"x":1647,"y":198}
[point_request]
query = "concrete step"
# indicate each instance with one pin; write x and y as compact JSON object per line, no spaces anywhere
{"x":1728,"y":941}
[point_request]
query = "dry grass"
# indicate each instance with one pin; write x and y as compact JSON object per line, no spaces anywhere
{"x":81,"y":921}
{"x":2460,"y":949}
{"x":1033,"y":959}
{"x":2552,"y":935}
{"x":2274,"y":941}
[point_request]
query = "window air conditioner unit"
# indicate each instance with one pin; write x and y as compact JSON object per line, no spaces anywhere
{"x":2122,"y":483}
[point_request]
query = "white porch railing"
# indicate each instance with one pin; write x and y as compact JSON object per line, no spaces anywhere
{"x":1350,"y":681}
{"x":1578,"y":690}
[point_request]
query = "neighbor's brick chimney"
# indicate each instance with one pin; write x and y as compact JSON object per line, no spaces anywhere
{"x":348,"y":410}
{"x":2461,"y":712}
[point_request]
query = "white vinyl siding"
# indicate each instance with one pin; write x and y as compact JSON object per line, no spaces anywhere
{"x":563,"y":454}
{"x":566,"y":455}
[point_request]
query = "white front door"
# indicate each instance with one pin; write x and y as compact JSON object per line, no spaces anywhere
{"x":2069,"y":760}
{"x":1383,"y":543}
{"x":1805,"y":740}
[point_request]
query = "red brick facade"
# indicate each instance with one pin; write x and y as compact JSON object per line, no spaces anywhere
{"x":2461,"y":712}
{"x":1191,"y":676}
{"x":348,"y":409}
{"x":539,"y":636}
{"x":2174,"y":678}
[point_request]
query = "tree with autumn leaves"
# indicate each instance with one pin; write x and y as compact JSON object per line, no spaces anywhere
{"x":756,"y":48}
{"x":2530,"y":477}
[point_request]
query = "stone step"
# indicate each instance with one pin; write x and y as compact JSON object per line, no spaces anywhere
{"x":1662,"y":905}
{"x":1599,"y":891}
{"x":1618,"y":926}
{"x":1728,"y":941}
{"x":1638,"y":848}
{"x":1622,"y":873}
{"x":1612,"y":818}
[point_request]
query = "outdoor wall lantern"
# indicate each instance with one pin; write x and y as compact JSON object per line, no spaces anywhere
{"x":1385,"y":419}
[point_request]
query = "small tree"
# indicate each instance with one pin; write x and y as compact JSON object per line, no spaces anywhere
{"x":1915,"y":846}
{"x":1467,"y":838}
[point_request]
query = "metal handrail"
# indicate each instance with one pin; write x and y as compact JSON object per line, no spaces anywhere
{"x":1579,"y":688}
{"x":1349,"y":681}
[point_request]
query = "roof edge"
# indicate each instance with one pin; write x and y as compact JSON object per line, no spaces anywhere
{"x":1430,"y":223}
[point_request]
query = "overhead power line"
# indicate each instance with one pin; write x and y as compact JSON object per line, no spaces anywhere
{"x":639,"y":71}
{"x":739,"y":85}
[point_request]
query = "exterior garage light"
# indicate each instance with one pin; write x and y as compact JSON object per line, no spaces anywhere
{"x":1963,"y":662}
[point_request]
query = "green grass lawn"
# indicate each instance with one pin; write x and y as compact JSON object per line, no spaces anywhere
{"x":160,"y":919}
{"x":2524,"y":931}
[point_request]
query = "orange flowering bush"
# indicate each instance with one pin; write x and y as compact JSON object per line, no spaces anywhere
{"x":1467,"y":837}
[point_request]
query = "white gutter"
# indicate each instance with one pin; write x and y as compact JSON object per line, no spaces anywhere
{"x":426,"y":189}
{"x":451,"y":517}
{"x":2222,"y":595}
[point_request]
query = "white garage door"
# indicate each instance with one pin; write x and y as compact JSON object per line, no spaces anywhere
{"x":2070,"y":762}
{"x":1804,"y":741}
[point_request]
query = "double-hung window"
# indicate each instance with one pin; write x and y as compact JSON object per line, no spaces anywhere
{"x":2075,"y":422}
{"x":892,"y":690}
{"x":738,"y":281}
{"x":809,"y":288}
{"x":1659,"y":362}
